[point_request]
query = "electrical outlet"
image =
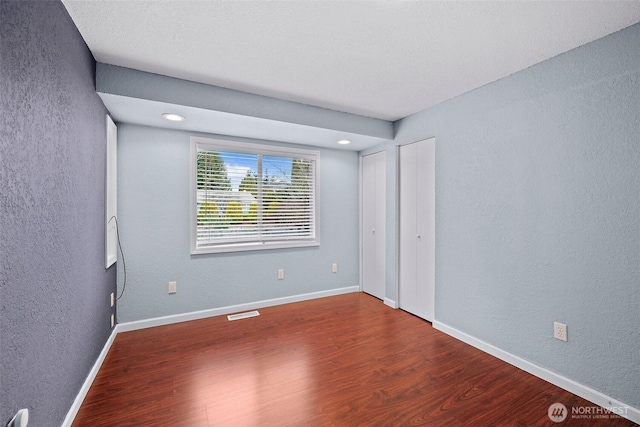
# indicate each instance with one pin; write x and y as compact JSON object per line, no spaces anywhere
{"x":113,"y":320}
{"x":560,"y":331}
{"x":172,"y":287}
{"x":281,"y":274}
{"x":112,"y":300}
{"x":334,"y":268}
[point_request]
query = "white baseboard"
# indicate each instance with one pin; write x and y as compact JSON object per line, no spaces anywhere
{"x":194,"y":315}
{"x":594,"y":396}
{"x":391,"y":303}
{"x":75,"y":407}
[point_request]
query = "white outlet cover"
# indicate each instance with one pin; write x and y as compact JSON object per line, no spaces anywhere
{"x":560,"y":331}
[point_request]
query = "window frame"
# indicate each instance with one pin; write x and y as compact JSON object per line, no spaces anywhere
{"x":223,"y":145}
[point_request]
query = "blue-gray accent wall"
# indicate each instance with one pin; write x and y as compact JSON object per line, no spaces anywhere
{"x":54,"y":289}
{"x":538,"y":212}
{"x":154,"y":218}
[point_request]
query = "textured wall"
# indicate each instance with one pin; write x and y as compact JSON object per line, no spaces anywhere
{"x":153,"y":213}
{"x":54,"y":301}
{"x":538,"y":212}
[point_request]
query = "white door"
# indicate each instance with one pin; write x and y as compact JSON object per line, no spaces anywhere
{"x":416,"y":263}
{"x":373,"y":223}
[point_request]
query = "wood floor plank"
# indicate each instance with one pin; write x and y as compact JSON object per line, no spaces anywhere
{"x":347,"y":360}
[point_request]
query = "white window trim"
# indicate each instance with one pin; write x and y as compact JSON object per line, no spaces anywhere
{"x":252,"y":148}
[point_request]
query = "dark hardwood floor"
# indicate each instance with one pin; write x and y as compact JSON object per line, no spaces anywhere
{"x":346,"y":360}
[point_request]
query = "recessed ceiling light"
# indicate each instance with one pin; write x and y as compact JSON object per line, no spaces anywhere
{"x":344,"y":142}
{"x":173,"y":117}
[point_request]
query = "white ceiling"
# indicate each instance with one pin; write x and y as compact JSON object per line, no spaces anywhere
{"x":381,"y":59}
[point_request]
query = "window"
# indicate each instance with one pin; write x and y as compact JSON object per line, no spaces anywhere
{"x":251,"y":196}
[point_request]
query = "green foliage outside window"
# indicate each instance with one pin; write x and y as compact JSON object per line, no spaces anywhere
{"x":212,"y":172}
{"x":233,"y":214}
{"x":208,"y":212}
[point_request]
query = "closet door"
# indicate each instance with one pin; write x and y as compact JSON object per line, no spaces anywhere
{"x":373,"y":223}
{"x":416,"y":264}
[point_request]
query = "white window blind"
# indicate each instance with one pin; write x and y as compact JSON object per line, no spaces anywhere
{"x":250,"y":196}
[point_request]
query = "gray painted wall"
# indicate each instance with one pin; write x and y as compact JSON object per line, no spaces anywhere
{"x":538,"y":212}
{"x":54,"y":290}
{"x":153,"y":213}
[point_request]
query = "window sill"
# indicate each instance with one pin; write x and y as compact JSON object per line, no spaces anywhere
{"x":253,"y":246}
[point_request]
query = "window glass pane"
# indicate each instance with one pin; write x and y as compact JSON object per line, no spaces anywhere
{"x":253,"y":197}
{"x":227,"y":202}
{"x":287,"y":195}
